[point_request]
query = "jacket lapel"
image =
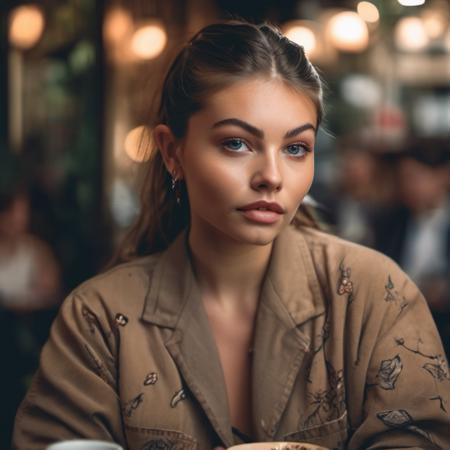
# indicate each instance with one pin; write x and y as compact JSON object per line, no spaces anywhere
{"x":290,"y":297}
{"x":173,"y":301}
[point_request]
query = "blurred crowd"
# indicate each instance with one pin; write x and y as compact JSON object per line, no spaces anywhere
{"x":398,"y":203}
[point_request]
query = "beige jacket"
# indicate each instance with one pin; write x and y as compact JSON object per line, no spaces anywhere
{"x":346,"y":355}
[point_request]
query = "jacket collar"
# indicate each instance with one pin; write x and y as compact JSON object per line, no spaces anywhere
{"x":290,"y":297}
{"x":290,"y":275}
{"x":174,"y":301}
{"x":171,"y":285}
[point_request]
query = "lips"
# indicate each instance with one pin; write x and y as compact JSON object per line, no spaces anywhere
{"x":262,"y":213}
{"x":263,"y":206}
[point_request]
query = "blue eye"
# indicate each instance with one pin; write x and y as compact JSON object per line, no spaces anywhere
{"x":297,"y":150}
{"x":234,"y":144}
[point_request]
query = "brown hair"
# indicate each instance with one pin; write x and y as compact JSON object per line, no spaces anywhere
{"x":216,"y":57}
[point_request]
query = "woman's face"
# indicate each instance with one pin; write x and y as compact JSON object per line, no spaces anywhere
{"x":247,"y":160}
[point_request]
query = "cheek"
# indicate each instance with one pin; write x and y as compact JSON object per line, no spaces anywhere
{"x":215,"y":184}
{"x":302,"y":180}
{"x":310,"y":174}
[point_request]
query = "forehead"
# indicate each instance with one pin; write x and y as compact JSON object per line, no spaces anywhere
{"x":260,"y":101}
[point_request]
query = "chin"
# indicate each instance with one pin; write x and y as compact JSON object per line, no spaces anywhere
{"x":262,"y":236}
{"x":263,"y":242}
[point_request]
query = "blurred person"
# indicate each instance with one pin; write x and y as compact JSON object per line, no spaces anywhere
{"x":232,"y":317}
{"x":359,"y":193}
{"x":423,"y":191}
{"x":417,"y":233}
{"x":29,"y":273}
{"x":362,"y":189}
{"x":420,"y":230}
{"x":29,"y":296}
{"x":425,"y":255}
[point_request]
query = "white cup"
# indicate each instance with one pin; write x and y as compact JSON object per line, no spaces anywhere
{"x":84,"y":444}
{"x":277,"y":446}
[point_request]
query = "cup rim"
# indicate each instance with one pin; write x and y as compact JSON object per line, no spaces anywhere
{"x":61,"y":445}
{"x":249,"y":444}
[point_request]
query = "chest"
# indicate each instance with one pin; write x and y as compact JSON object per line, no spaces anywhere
{"x":234,"y":340}
{"x":190,"y":387}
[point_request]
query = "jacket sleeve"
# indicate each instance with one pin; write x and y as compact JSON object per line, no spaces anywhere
{"x":74,"y":392}
{"x":406,"y":401}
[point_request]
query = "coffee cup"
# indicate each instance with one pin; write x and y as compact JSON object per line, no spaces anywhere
{"x":277,"y":446}
{"x":84,"y":444}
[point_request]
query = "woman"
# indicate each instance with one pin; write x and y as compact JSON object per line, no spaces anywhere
{"x":239,"y":321}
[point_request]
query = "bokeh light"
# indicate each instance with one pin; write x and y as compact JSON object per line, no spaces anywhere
{"x":411,"y":2}
{"x":138,"y":144}
{"x":410,"y":34}
{"x":118,"y":25}
{"x":348,"y":32}
{"x":368,"y":12}
{"x":26,"y":26}
{"x":447,"y":40}
{"x":303,"y":36}
{"x":149,"y":41}
{"x":362,"y":91}
{"x":434,"y":23}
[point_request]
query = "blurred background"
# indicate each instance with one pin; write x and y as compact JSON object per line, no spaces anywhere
{"x":77,"y":79}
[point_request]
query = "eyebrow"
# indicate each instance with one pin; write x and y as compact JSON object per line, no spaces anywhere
{"x":259,"y":133}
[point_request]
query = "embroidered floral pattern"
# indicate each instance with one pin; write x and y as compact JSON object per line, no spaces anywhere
{"x":121,"y":319}
{"x":442,"y":402}
{"x":391,"y":295}
{"x":437,"y":368}
{"x":345,"y":285}
{"x":400,"y":418}
{"x":178,"y":397}
{"x":322,"y":337}
{"x":151,"y":379}
{"x":99,"y":367}
{"x":395,"y":418}
{"x":389,"y":372}
{"x":328,"y":404}
{"x":389,"y":287}
{"x":90,"y":319}
{"x":132,"y":405}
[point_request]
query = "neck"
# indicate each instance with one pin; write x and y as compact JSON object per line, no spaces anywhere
{"x":229,"y":273}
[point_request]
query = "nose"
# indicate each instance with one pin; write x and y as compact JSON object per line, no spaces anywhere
{"x":267,"y":173}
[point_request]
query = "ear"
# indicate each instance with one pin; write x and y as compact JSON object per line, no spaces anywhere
{"x":168,"y":145}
